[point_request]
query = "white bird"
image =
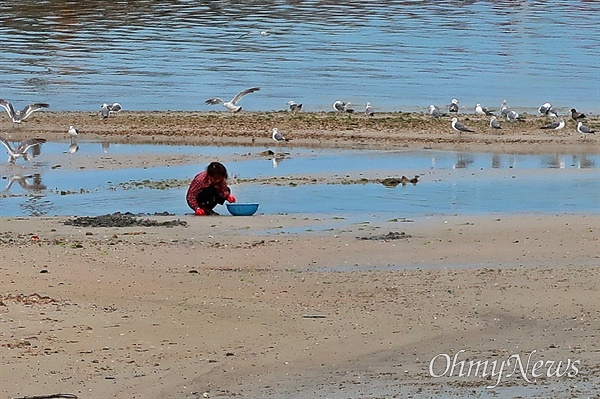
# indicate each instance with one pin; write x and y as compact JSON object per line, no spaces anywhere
{"x":453,"y":107}
{"x":278,"y":137}
{"x":584,"y":130}
{"x":556,"y":125}
{"x":21,"y":151}
{"x":73,"y":132}
{"x":459,"y":127}
{"x":19,"y":116}
{"x":107,"y":109}
{"x":494,"y":123}
{"x":479,"y":110}
{"x":232,"y":105}
{"x":435,"y":111}
{"x":294,"y":107}
{"x":544,"y":109}
{"x":369,"y":109}
{"x":342,"y":106}
{"x":504,"y":108}
{"x":512,"y":116}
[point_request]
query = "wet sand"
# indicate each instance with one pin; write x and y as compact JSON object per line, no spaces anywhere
{"x":241,"y":308}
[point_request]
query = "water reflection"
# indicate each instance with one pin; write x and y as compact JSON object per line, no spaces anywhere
{"x":27,"y":182}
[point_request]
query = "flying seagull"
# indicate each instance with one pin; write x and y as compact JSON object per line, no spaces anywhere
{"x":19,"y":116}
{"x":576,"y":115}
{"x":231,"y":105}
{"x":459,"y":127}
{"x":453,"y":107}
{"x":21,"y":151}
{"x":435,"y":111}
{"x":342,"y":106}
{"x":581,"y":128}
{"x":479,"y":110}
{"x":369,"y":109}
{"x":494,"y":123}
{"x":556,"y":125}
{"x":278,"y":137}
{"x":294,"y":107}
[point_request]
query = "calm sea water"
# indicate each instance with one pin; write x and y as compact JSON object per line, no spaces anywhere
{"x":399,"y":55}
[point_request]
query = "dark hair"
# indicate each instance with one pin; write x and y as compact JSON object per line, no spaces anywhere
{"x":217,"y":169}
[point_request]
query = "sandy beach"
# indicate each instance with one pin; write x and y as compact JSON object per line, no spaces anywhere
{"x":301,"y":306}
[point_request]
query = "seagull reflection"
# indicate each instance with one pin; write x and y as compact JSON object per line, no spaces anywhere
{"x":583,"y":162}
{"x":555,"y":162}
{"x":105,"y":146}
{"x":462,"y":161}
{"x":23,"y":181}
{"x":73,"y":147}
{"x":496,"y":162}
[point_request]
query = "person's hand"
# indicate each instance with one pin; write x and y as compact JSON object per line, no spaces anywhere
{"x":231,"y":198}
{"x":200,"y":212}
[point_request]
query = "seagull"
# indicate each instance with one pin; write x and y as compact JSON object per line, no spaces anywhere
{"x":435,"y":111}
{"x":576,"y":115}
{"x":479,"y":110}
{"x":453,"y":107}
{"x":21,"y":151}
{"x":342,"y":106}
{"x":459,"y":127}
{"x":72,"y":131}
{"x":494,"y":124}
{"x":504,"y":108}
{"x":231,"y":105}
{"x":581,"y":128}
{"x":545,"y":108}
{"x":369,"y":109}
{"x":19,"y":116}
{"x":116,"y":107}
{"x":294,"y":107}
{"x":512,"y":116}
{"x":556,"y":125}
{"x":278,"y":137}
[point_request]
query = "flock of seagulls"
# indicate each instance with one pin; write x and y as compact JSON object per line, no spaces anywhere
{"x":106,"y":110}
{"x":545,"y":109}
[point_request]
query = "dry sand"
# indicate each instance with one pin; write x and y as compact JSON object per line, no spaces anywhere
{"x":300,"y":307}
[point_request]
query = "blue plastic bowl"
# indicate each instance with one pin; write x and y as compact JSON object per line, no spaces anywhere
{"x":242,"y":209}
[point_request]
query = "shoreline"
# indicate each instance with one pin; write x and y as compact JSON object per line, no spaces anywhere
{"x":318,"y":129}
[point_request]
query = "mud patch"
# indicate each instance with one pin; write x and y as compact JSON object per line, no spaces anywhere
{"x":392,"y":235}
{"x":122,"y":220}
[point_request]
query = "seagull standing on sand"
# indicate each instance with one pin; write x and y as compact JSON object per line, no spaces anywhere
{"x":576,"y":115}
{"x":479,"y":110}
{"x":19,"y":116}
{"x":72,"y":131}
{"x":584,"y":130}
{"x":459,"y":127}
{"x":369,"y":109}
{"x":556,"y":125}
{"x":435,"y":111}
{"x":504,"y":108}
{"x":494,"y":123}
{"x":294,"y":107}
{"x":512,"y":116}
{"x":545,"y":108}
{"x":21,"y":151}
{"x":232,"y":105}
{"x":342,"y":106}
{"x":107,"y":110}
{"x":453,"y":107}
{"x":278,"y":137}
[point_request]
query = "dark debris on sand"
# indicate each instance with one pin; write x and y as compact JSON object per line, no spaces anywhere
{"x":118,"y":219}
{"x":392,"y":235}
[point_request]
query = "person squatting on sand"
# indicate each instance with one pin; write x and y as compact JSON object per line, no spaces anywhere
{"x":208,"y":189}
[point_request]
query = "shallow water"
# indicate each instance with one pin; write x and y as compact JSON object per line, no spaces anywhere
{"x":451,"y":183}
{"x":159,"y":54}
